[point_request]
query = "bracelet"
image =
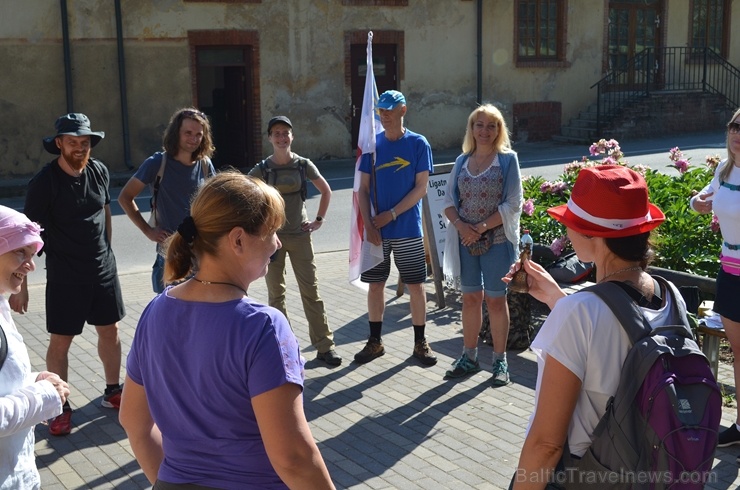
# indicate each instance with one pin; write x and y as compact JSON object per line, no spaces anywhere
{"x":454,"y":223}
{"x":393,"y":213}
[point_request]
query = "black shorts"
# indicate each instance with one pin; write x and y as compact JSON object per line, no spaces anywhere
{"x":69,"y":306}
{"x":726,"y":297}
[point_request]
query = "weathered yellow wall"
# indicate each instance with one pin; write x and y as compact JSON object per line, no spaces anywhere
{"x":302,"y":67}
{"x":507,"y":84}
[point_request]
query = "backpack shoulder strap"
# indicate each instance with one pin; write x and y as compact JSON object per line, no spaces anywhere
{"x":160,"y":173}
{"x":267,"y":172}
{"x":302,"y":169}
{"x":631,"y":318}
{"x":205,"y":167}
{"x":3,"y":347}
{"x":624,"y":308}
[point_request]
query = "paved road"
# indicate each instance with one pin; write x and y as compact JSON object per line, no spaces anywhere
{"x":135,"y":253}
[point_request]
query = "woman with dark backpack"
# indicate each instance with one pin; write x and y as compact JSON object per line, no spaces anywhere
{"x":582,"y":346}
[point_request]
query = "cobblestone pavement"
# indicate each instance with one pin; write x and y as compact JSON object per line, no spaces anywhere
{"x":389,"y":424}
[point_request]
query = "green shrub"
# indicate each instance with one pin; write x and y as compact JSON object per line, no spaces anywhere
{"x":686,"y":241}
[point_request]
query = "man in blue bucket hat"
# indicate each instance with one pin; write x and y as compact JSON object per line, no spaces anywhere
{"x":391,"y":188}
{"x":70,"y":199}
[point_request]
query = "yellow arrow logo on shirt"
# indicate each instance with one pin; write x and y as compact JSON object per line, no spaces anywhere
{"x":398,"y":162}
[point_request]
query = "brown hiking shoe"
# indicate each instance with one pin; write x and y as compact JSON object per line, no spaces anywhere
{"x":424,"y":353}
{"x":372,"y":350}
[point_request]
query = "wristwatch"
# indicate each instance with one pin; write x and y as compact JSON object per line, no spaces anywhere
{"x":319,"y":218}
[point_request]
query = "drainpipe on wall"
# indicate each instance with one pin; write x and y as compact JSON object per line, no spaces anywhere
{"x":67,"y":57}
{"x":479,"y":49}
{"x":122,"y":84}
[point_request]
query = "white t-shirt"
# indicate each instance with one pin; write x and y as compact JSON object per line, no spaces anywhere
{"x":583,"y":335}
{"x":23,"y":404}
{"x":726,"y":205}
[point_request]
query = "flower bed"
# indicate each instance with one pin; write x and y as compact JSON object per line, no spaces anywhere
{"x":686,"y":241}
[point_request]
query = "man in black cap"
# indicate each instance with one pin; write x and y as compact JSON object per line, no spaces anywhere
{"x":69,"y":198}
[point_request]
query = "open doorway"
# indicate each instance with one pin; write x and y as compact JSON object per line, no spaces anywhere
{"x":224,"y":89}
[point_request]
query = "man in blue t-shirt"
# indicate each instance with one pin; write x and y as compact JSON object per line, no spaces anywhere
{"x":188,"y":145}
{"x":391,"y":189}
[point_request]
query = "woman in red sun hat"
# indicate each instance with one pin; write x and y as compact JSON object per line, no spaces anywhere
{"x":581,"y":346}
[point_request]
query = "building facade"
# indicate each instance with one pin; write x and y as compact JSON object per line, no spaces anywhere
{"x":128,"y":64}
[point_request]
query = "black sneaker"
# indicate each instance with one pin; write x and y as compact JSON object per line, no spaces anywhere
{"x":728,"y":437}
{"x":372,"y":350}
{"x":330,"y":357}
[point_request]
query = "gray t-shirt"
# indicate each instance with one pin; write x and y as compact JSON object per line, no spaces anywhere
{"x":177,"y":187}
{"x":287,"y":180}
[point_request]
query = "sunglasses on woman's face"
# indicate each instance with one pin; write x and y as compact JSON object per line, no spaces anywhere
{"x":733,"y":127}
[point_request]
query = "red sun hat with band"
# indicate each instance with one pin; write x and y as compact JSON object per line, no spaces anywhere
{"x":609,"y":201}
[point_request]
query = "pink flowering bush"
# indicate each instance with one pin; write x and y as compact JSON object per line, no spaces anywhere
{"x":686,"y":241}
{"x":679,"y":162}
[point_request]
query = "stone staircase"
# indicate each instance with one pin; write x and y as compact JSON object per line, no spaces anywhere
{"x":660,"y":113}
{"x":581,"y":129}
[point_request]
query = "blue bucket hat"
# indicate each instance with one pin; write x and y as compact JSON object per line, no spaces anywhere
{"x":73,"y":124}
{"x":390,"y":99}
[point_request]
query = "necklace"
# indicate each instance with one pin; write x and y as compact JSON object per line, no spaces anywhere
{"x":480,"y":161}
{"x":634,"y":268}
{"x":222,"y":283}
{"x":75,"y":173}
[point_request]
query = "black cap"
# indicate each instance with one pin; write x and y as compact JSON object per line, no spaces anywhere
{"x":278,"y":119}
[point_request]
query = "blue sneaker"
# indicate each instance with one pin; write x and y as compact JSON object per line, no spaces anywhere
{"x":500,"y":373}
{"x":463,"y":366}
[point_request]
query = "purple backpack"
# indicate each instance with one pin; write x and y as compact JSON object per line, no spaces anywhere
{"x":660,"y":428}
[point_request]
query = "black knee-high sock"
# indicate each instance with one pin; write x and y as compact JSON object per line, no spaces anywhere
{"x":419,"y":332}
{"x":375,"y":328}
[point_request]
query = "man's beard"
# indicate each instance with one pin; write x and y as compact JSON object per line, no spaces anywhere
{"x":76,"y":163}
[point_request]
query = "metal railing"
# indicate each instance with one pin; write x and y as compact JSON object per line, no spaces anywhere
{"x":673,"y":69}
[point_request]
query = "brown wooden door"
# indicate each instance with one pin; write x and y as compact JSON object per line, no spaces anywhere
{"x":634,"y":25}
{"x":223,"y":81}
{"x":385,"y":68}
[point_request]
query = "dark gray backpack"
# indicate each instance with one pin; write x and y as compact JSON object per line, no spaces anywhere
{"x":660,"y":429}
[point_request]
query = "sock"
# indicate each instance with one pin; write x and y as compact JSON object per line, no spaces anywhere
{"x":375,"y":328}
{"x":497,"y":356}
{"x":111,"y":388}
{"x":419,"y":332}
{"x":471,"y":353}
